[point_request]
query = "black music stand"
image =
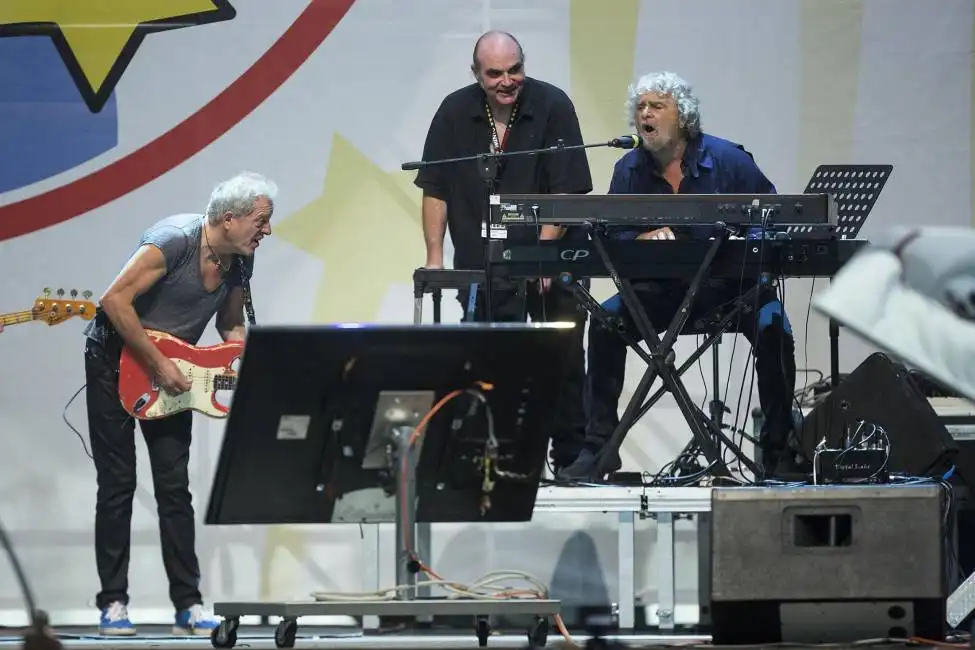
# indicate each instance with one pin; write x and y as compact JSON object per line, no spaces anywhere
{"x":854,"y":188}
{"x":322,"y":429}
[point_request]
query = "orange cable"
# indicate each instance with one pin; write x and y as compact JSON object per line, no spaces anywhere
{"x":417,"y":432}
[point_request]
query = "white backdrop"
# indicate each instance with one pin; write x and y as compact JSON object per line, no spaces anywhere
{"x":798,"y":82}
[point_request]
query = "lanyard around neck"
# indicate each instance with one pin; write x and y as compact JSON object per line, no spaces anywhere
{"x":499,"y":143}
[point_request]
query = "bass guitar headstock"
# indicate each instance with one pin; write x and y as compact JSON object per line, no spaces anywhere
{"x":54,"y":311}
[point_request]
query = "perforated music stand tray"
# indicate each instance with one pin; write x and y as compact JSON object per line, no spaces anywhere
{"x":855,"y":188}
{"x":322,"y":416}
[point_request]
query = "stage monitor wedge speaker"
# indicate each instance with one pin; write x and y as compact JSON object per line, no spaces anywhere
{"x":827,"y":564}
{"x":882,"y":392}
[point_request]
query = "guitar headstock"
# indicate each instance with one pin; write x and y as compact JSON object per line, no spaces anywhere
{"x":54,"y":311}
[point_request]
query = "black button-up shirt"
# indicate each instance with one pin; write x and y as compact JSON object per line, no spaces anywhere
{"x":545,"y":115}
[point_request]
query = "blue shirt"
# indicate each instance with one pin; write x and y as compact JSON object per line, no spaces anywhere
{"x":711,"y":165}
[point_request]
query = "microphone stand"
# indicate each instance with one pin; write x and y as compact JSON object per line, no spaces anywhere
{"x":487,"y":167}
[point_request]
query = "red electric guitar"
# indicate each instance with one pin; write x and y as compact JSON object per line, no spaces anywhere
{"x":208,"y":369}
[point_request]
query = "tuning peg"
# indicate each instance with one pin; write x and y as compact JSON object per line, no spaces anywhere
{"x":47,"y":291}
{"x":86,"y":294}
{"x":60,"y":292}
{"x":74,"y":293}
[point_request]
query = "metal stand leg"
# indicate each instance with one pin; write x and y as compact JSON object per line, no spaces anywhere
{"x":423,"y":549}
{"x":834,"y":353}
{"x":418,"y":290}
{"x":627,"y":567}
{"x":371,"y":563}
{"x":665,"y":570}
{"x":704,"y":568}
{"x":405,"y":513}
{"x":437,"y":296}
{"x":471,"y":308}
{"x":418,"y":310}
{"x":716,"y":407}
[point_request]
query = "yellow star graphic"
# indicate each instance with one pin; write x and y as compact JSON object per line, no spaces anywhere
{"x":602,"y":42}
{"x":98,"y":38}
{"x":365,"y":227}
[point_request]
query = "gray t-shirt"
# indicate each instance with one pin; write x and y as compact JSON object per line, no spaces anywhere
{"x":178,"y":303}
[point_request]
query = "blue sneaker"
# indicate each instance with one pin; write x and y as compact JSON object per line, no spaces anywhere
{"x":195,"y":621}
{"x":115,"y":621}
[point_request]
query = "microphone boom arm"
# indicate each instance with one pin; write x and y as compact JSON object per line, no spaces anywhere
{"x":622,"y":142}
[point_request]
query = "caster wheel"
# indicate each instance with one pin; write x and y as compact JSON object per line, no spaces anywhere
{"x":483,"y":632}
{"x":225,"y":636}
{"x":285,"y":633}
{"x":538,"y":633}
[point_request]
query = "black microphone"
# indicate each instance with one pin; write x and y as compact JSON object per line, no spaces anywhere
{"x":631,"y":141}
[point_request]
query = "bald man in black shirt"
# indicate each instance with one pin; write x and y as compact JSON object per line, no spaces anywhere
{"x":504,"y":110}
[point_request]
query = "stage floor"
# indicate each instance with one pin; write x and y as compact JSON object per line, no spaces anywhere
{"x":260,"y":638}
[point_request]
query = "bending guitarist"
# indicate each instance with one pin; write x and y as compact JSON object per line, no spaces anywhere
{"x":186,"y":269}
{"x":677,"y":158}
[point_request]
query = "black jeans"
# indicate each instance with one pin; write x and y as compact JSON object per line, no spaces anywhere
{"x":515,"y":302}
{"x":112,"y":434}
{"x":765,"y":326}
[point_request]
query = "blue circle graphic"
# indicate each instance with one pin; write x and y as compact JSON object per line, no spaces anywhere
{"x":45,"y":126}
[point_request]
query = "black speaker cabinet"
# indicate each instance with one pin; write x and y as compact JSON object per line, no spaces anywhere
{"x":827,"y":564}
{"x":882,"y":392}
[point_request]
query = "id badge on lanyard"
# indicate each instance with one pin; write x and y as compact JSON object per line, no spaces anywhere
{"x":498,"y":231}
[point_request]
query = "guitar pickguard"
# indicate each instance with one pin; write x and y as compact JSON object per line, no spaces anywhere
{"x":198,"y":398}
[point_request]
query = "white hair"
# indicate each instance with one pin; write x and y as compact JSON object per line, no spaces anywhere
{"x":238,"y":194}
{"x":668,"y":83}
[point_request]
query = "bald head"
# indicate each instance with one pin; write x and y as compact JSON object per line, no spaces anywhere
{"x":496,"y":44}
{"x":499,"y":67}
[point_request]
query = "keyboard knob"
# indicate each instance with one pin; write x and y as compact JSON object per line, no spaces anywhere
{"x":565,"y":278}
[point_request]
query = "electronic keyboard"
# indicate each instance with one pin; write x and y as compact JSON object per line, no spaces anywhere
{"x":676,"y":259}
{"x":658,"y":210}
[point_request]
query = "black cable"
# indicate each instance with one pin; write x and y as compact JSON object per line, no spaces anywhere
{"x":25,"y":589}
{"x":805,"y":344}
{"x":737,"y":328}
{"x":734,"y":342}
{"x":64,"y":416}
{"x":805,"y":352}
{"x":755,"y":332}
{"x":754,"y":370}
{"x":700,"y":369}
{"x":36,"y":637}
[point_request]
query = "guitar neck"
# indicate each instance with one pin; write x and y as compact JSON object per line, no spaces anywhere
{"x":16,"y":317}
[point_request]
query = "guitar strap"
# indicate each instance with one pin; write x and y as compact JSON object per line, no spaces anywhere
{"x":245,"y":284}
